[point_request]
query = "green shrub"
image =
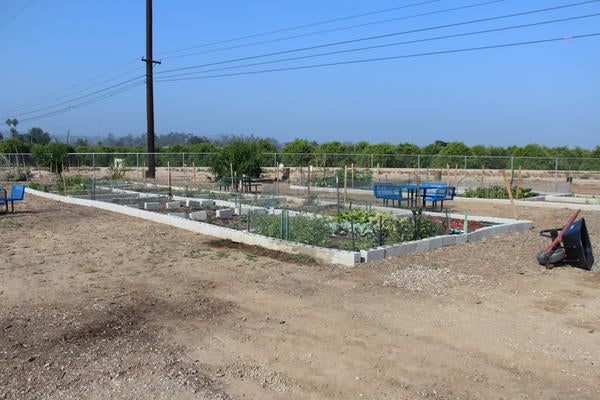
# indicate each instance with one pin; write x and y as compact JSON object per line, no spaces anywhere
{"x":498,"y":192}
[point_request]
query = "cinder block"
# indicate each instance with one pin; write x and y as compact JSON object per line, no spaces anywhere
{"x":199,"y":216}
{"x":172,"y":205}
{"x":436,"y":242}
{"x":372,"y":254}
{"x":152,"y":206}
{"x":475,"y":236}
{"x":243,"y":211}
{"x":177,"y":214}
{"x":225,"y":213}
{"x":208,"y":203}
{"x":422,"y":245}
{"x":461,"y":239}
{"x":193,"y":203}
{"x":399,"y":249}
{"x":448,"y":240}
{"x":133,"y":205}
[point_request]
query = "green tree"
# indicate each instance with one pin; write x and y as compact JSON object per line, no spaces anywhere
{"x":298,"y":153}
{"x":14,"y":145}
{"x":243,"y":156}
{"x":53,"y":155}
{"x":35,"y":136}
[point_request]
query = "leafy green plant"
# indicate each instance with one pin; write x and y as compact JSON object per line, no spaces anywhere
{"x":498,"y":192}
{"x":222,"y":254}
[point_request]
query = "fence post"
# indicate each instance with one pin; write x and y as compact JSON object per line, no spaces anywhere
{"x":556,"y":167}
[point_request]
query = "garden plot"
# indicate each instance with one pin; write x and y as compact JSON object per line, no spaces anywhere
{"x":347,"y":238}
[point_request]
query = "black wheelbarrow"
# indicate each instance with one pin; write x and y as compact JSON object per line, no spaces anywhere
{"x":570,"y":245}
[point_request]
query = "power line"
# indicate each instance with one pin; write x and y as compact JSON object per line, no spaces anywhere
{"x":70,"y":90}
{"x":469,"y":22}
{"x":26,"y":6}
{"x":83,"y":103}
{"x":469,"y":49}
{"x":341,"y":28}
{"x":329,"y":21}
{"x":81,"y":97}
{"x":390,"y":45}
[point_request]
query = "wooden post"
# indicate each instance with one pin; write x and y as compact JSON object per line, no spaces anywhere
{"x":456,"y":176}
{"x":447,"y":174}
{"x":194,"y":172}
{"x":345,"y":183}
{"x":482,"y":176}
{"x":64,"y":178}
{"x":277,"y":178}
{"x":510,"y":196}
{"x":169,"y":174}
{"x":308,"y":183}
{"x":519,"y":182}
{"x":231,"y":171}
{"x":352,"y":175}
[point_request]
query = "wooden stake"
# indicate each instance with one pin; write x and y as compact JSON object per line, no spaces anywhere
{"x":510,"y":196}
{"x":482,"y":176}
{"x":447,"y":174}
{"x":352,"y":174}
{"x":169,"y":174}
{"x":194,"y":172}
{"x":456,"y":176}
{"x":345,"y":183}
{"x":308,"y":183}
{"x":231,"y":170}
{"x":518,"y":182}
{"x":64,"y":178}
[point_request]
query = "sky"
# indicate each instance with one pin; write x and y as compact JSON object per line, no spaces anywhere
{"x":75,"y":66}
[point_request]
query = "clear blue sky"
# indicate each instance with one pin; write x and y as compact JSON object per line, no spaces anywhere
{"x":544,"y":93}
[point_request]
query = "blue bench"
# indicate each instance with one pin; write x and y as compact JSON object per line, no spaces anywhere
{"x":389,"y":191}
{"x":17,"y":193}
{"x":434,"y":192}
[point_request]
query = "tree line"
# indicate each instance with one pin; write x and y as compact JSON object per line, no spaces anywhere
{"x":254,"y":153}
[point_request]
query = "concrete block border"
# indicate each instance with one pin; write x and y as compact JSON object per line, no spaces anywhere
{"x":326,"y":255}
{"x":333,"y":256}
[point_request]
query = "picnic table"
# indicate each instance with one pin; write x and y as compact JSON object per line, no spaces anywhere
{"x":240,"y":184}
{"x":414,"y":195}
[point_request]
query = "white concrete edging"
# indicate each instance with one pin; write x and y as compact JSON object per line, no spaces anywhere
{"x":347,"y":258}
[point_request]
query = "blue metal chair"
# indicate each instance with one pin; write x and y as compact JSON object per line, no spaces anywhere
{"x":17,"y":193}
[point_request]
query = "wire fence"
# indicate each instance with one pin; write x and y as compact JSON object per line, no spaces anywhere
{"x":321,"y":160}
{"x":318,"y":170}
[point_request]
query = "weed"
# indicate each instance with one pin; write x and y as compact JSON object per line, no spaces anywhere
{"x":195,"y":253}
{"x":222,"y":254}
{"x":302,"y":258}
{"x":251,"y":257}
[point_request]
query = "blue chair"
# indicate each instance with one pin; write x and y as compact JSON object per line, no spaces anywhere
{"x":17,"y":193}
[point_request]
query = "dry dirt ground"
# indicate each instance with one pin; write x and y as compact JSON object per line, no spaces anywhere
{"x":101,"y":306}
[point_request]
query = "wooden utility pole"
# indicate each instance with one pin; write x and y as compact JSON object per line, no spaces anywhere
{"x":151,"y":173}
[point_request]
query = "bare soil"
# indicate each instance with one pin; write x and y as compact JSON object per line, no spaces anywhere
{"x":101,"y":306}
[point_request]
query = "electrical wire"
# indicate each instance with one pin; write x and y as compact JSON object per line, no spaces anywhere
{"x":82,"y":97}
{"x":70,"y":90}
{"x":329,"y":21}
{"x":13,"y":17}
{"x":388,"y":35}
{"x":431,"y":53}
{"x":452,"y":36}
{"x":340,"y":28}
{"x":82,"y":104}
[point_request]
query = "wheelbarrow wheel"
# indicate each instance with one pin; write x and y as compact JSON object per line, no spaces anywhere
{"x":548,"y":260}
